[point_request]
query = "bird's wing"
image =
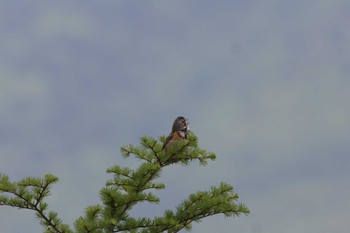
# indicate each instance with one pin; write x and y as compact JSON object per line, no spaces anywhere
{"x":168,"y":139}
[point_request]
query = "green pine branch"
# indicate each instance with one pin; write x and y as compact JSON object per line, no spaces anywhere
{"x":127,"y":188}
{"x":29,"y":193}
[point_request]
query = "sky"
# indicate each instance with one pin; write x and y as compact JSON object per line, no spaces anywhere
{"x":265,"y":85}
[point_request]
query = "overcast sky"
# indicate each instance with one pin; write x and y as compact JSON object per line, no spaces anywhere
{"x":265,"y":85}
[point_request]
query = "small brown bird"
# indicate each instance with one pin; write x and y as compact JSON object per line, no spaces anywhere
{"x":179,"y":131}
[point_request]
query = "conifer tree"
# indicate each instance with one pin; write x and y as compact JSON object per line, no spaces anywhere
{"x":127,"y":188}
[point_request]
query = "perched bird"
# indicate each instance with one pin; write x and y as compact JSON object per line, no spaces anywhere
{"x":178,"y":131}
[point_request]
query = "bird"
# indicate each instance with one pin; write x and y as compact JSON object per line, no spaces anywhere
{"x":179,"y":131}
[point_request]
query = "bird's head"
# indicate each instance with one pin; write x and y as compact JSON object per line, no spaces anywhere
{"x":180,"y":124}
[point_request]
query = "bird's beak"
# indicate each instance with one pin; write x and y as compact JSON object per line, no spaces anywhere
{"x":187,"y":124}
